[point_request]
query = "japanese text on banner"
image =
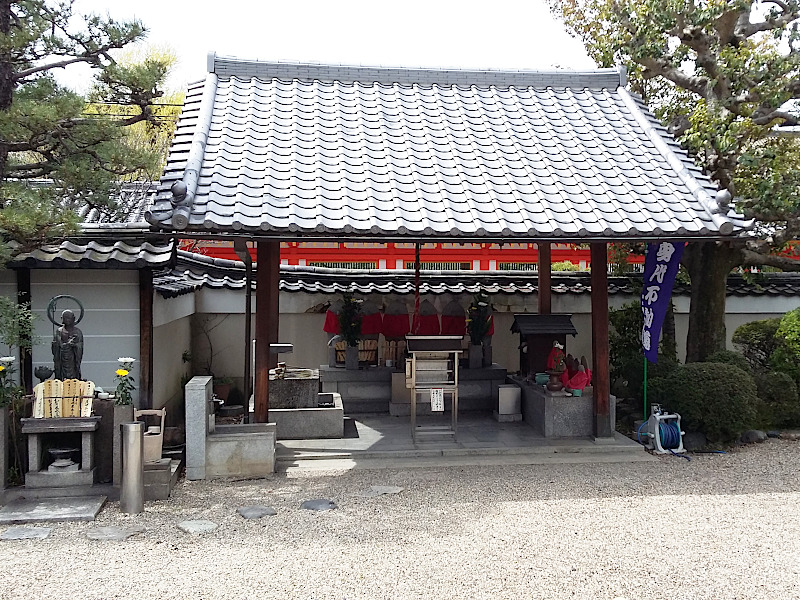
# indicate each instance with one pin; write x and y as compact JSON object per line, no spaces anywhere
{"x":660,"y":268}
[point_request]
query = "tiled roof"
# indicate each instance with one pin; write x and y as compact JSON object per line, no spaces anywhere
{"x":292,"y":150}
{"x":534,"y":324}
{"x":195,"y":271}
{"x":99,"y":253}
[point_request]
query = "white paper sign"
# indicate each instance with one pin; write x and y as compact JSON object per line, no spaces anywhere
{"x":437,"y":400}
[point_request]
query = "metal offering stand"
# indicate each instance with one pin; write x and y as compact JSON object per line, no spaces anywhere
{"x":432,"y":376}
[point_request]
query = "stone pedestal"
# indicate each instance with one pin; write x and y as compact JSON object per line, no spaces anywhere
{"x":509,"y":404}
{"x":561,"y":415}
{"x":297,"y":389}
{"x":36,"y":429}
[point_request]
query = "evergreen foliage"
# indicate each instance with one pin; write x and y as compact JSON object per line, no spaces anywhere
{"x":756,"y":341}
{"x":723,"y":76}
{"x":47,"y":132}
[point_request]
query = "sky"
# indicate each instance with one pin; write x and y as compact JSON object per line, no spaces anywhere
{"x":500,"y":34}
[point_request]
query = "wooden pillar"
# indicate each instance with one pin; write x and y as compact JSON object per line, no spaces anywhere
{"x":601,"y":382}
{"x":544,"y":278}
{"x":145,"y":338}
{"x":25,"y":356}
{"x":268,"y":260}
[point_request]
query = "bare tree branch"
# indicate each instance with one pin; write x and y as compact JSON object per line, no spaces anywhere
{"x":657,"y":66}
{"x":757,"y":259}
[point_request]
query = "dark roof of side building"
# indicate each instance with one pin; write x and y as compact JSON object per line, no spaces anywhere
{"x":195,"y":271}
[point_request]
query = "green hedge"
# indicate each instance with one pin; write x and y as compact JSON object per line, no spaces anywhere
{"x":781,"y":405}
{"x":717,"y":399}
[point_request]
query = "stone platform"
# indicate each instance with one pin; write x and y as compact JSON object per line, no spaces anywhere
{"x":50,"y":510}
{"x":381,"y":390}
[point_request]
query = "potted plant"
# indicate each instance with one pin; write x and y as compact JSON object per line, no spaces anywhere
{"x":11,"y":409}
{"x":479,"y":324}
{"x":350,"y":328}
{"x":222,"y":387}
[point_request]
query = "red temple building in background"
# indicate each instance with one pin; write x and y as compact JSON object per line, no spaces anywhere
{"x":433,"y":256}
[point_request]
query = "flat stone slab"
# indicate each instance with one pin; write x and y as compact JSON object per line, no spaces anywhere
{"x":380,"y":490}
{"x":113,"y":534}
{"x":51,"y":510}
{"x":197,"y":527}
{"x":26,"y":533}
{"x":318,"y":504}
{"x":256,"y":512}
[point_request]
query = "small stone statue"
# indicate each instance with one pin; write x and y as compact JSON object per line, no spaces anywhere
{"x":68,"y":348}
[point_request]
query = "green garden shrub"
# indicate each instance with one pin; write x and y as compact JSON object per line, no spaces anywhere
{"x":565,"y":265}
{"x":729,"y":357}
{"x":717,"y":399}
{"x":785,"y":358}
{"x":625,"y":353}
{"x":781,"y":405}
{"x":756,"y":341}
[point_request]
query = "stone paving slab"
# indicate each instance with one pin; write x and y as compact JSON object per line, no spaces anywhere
{"x":26,"y":533}
{"x":112,"y":533}
{"x":197,"y":526}
{"x":257,"y":512}
{"x":51,"y":510}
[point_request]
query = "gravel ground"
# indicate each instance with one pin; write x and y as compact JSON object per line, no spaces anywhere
{"x":718,"y":527}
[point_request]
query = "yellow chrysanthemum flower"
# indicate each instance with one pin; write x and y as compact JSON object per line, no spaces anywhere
{"x":121,"y":372}
{"x":2,"y":368}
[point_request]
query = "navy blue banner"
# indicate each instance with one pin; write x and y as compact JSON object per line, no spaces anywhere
{"x":660,"y":267}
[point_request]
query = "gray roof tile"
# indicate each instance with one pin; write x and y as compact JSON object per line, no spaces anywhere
{"x":308,"y":149}
{"x":98,"y":253}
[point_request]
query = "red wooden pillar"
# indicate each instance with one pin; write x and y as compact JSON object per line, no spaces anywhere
{"x":545,"y":295}
{"x":145,"y":339}
{"x":268,"y":260}
{"x":601,"y":382}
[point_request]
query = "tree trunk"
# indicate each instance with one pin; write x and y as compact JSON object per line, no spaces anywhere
{"x":6,"y":78}
{"x":709,"y":264}
{"x":669,"y":344}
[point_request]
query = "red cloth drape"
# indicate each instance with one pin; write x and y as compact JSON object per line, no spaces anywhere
{"x":579,"y":381}
{"x":372,"y":324}
{"x":454,"y":325}
{"x":331,"y":322}
{"x":396,"y":326}
{"x":428,"y":325}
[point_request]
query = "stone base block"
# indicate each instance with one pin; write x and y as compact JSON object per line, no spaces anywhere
{"x":309,"y":423}
{"x":42,"y":479}
{"x":509,"y":399}
{"x":506,"y":418}
{"x":246,"y":450}
{"x":160,"y":478}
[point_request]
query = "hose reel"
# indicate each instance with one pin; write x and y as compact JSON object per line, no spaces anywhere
{"x":663,"y":434}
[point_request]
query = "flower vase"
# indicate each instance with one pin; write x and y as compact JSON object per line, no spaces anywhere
{"x":475,"y":356}
{"x":351,"y":358}
{"x":487,"y":355}
{"x":123,"y":413}
{"x":555,"y":385}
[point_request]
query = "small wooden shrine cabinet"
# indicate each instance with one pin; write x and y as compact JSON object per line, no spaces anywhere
{"x":537,"y":334}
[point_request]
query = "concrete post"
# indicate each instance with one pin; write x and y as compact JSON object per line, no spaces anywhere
{"x":131,"y":496}
{"x":199,"y":392}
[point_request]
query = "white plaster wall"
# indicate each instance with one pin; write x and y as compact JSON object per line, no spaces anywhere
{"x":170,"y":341}
{"x":110,"y":324}
{"x":172,"y":309}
